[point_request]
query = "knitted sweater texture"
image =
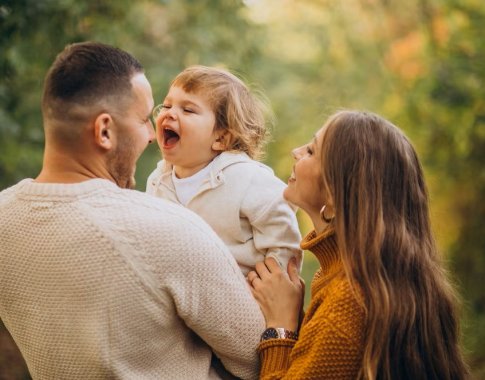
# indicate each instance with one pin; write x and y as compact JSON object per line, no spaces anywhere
{"x":99,"y":282}
{"x":330,"y":345}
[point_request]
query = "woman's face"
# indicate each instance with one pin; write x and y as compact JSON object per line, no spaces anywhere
{"x":305,"y":184}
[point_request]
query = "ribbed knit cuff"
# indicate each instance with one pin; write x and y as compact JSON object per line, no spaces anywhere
{"x":275,"y":355}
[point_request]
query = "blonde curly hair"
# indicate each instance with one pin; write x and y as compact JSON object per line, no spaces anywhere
{"x":238,"y":111}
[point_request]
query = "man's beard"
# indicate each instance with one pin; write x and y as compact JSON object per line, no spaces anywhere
{"x":122,"y":164}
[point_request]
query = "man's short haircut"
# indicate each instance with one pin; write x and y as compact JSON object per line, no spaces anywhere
{"x":87,"y":74}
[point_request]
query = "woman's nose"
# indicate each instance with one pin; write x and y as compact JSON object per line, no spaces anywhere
{"x":296,"y":153}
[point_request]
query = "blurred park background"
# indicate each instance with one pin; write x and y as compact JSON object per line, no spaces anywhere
{"x":419,"y":63}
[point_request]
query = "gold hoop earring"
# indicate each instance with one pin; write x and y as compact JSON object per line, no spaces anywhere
{"x":323,"y":217}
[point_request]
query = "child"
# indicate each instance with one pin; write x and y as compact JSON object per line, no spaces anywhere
{"x":210,"y":129}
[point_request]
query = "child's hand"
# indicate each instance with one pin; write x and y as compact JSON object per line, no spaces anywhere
{"x":279,"y":294}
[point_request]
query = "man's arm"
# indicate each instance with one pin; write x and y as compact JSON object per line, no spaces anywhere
{"x":214,"y":300}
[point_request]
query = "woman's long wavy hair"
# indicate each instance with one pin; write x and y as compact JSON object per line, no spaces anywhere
{"x":383,"y":229}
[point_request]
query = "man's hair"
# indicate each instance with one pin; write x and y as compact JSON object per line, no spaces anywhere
{"x":86,"y":75}
{"x":237,"y":109}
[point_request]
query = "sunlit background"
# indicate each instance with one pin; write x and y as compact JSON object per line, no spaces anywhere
{"x":419,"y":63}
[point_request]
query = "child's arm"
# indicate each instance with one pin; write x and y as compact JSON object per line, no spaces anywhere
{"x":274,"y":223}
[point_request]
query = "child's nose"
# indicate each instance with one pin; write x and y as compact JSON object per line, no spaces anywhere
{"x":171,"y":113}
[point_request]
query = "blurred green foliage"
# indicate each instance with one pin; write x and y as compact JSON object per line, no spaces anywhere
{"x":420,"y":63}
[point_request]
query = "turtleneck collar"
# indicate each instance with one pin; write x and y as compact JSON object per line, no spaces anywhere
{"x":324,"y":247}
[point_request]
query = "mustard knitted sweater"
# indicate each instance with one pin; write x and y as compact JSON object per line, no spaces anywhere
{"x":330,"y":345}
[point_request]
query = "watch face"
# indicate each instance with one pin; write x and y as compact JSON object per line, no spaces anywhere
{"x":270,"y":333}
{"x":278,"y":333}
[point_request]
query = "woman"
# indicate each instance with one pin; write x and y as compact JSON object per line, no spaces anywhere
{"x":381,"y":305}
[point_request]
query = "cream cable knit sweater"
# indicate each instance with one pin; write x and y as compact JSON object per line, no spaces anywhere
{"x":98,"y":282}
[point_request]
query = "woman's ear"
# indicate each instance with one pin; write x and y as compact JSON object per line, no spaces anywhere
{"x":103,"y":131}
{"x":223,"y":140}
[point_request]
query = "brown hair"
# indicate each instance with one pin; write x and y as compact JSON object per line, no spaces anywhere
{"x":383,"y":229}
{"x":237,"y":110}
{"x":85,"y":75}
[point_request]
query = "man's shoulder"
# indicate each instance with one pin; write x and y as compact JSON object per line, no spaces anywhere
{"x":169,"y":226}
{"x":141,"y":205}
{"x":10,"y":192}
{"x":150,"y":212}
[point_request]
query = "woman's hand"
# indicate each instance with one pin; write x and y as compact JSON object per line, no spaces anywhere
{"x":279,"y":294}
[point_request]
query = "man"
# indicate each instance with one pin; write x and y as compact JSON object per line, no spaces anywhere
{"x":98,"y":281}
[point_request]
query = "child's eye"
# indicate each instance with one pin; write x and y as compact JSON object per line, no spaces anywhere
{"x":166,"y":106}
{"x":189,"y":110}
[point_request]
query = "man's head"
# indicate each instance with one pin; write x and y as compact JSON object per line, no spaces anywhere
{"x":97,"y":102}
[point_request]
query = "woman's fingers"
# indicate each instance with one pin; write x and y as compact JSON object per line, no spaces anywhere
{"x":262,"y":270}
{"x":270,"y":270}
{"x":277,"y":293}
{"x":293,"y":271}
{"x":251,"y":277}
{"x":272,"y":265}
{"x":265,"y":269}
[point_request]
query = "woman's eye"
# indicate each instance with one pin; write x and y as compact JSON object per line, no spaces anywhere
{"x":309,"y":150}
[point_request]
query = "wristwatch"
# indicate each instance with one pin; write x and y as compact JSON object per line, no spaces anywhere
{"x":278,"y":333}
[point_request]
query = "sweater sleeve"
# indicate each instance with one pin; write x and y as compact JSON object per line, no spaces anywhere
{"x":329,"y":346}
{"x":275,"y":357}
{"x":213,"y":299}
{"x":273,"y":221}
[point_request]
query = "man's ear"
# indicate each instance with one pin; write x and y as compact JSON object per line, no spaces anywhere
{"x":103,"y":131}
{"x":223,"y":140}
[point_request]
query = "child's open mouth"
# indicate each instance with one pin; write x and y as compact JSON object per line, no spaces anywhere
{"x":170,"y":138}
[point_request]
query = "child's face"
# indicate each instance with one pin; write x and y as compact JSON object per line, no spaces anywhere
{"x":185,"y":131}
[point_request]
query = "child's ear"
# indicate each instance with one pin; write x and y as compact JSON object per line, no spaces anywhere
{"x":223,"y":140}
